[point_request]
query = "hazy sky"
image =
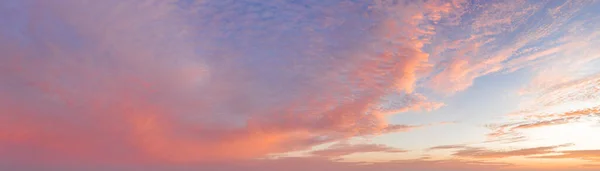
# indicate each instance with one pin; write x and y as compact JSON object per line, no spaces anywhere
{"x":299,"y":85}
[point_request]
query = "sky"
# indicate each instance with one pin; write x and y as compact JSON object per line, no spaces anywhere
{"x":299,"y":85}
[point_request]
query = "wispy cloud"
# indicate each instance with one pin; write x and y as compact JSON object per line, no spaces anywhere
{"x":471,"y":152}
{"x":543,"y":120}
{"x":447,"y":147}
{"x":338,"y":150}
{"x":505,"y":37}
{"x":592,"y":155}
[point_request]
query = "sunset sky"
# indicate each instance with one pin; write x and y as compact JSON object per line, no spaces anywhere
{"x":299,"y":85}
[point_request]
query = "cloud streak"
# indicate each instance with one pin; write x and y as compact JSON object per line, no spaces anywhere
{"x":338,"y":150}
{"x":484,"y":153}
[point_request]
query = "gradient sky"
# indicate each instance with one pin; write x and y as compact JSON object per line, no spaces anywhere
{"x":297,"y":85}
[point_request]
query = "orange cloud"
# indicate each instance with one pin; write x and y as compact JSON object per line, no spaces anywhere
{"x":338,"y":150}
{"x":542,"y":123}
{"x":592,"y":155}
{"x":569,"y":114}
{"x":484,"y":153}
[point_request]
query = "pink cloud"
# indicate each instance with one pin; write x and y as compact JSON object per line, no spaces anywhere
{"x":455,"y":77}
{"x":147,"y":82}
{"x":485,"y":48}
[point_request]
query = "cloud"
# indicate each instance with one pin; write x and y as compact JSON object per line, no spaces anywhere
{"x":338,"y":150}
{"x":542,"y":120}
{"x":505,"y":37}
{"x":591,"y":166}
{"x":570,"y":114}
{"x":471,"y":152}
{"x":545,"y":152}
{"x":568,"y":91}
{"x":542,"y":124}
{"x":461,"y":66}
{"x":166,"y":81}
{"x":564,"y":102}
{"x":394,"y":103}
{"x":592,"y":155}
{"x":507,"y":139}
{"x":447,"y":147}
